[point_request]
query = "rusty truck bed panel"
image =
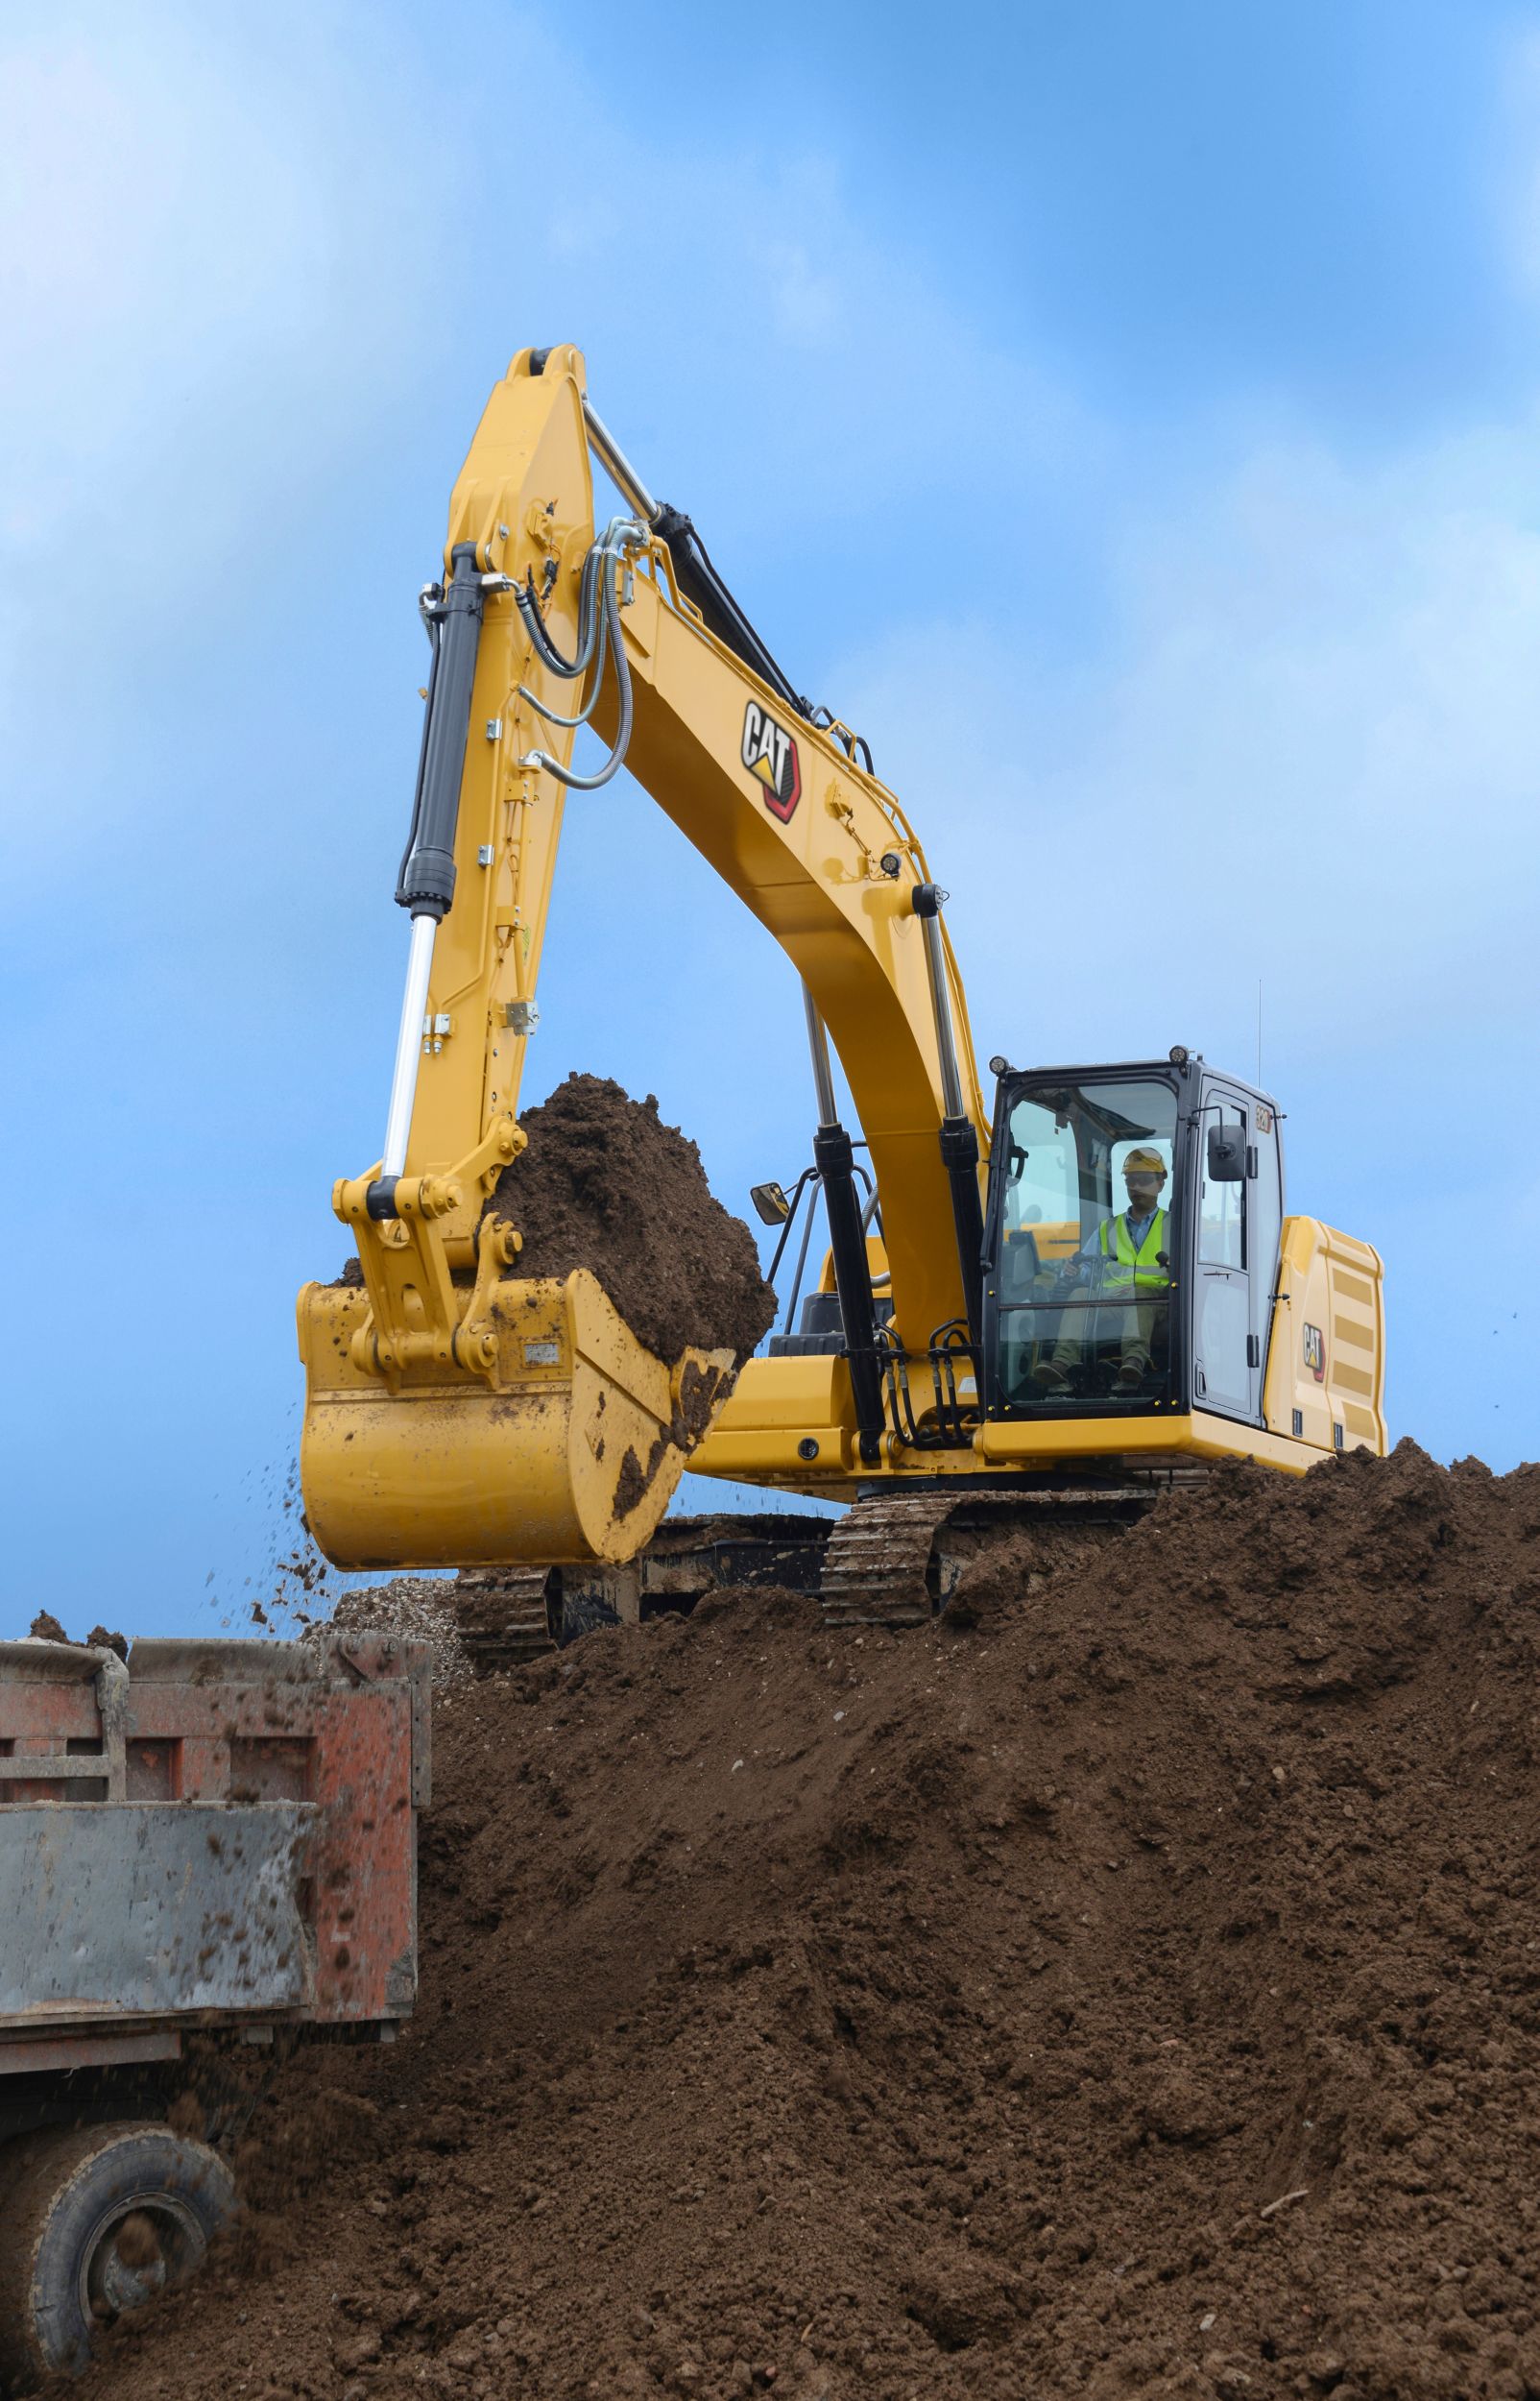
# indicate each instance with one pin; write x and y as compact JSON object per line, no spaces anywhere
{"x":220,"y":1830}
{"x":150,"y":1908}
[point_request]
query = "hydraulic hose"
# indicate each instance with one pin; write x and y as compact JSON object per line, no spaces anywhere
{"x":622,"y":535}
{"x":588,"y":621}
{"x":587,"y":650}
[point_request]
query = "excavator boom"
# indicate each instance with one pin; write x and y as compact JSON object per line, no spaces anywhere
{"x":442,"y":1423}
{"x":1003,"y":1330}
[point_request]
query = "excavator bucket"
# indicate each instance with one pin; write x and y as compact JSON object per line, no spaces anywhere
{"x":563,"y":1442}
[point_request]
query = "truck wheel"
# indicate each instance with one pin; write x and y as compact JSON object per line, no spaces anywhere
{"x":94,"y":2223}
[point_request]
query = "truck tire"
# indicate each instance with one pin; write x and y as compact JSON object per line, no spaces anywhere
{"x":95,"y":2221}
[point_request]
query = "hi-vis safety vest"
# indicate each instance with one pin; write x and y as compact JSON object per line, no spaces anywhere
{"x":1125,"y":1267}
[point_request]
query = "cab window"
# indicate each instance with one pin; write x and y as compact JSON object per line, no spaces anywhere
{"x":1222,"y":1206}
{"x":1042,"y":1187}
{"x":1083,"y":1312}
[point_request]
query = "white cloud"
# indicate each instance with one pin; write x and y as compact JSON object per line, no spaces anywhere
{"x":1308,"y":752}
{"x":194,"y":247}
{"x":240,"y":259}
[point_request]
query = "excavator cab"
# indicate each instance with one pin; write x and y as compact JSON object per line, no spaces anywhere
{"x":1132,"y":1250}
{"x":1084,"y":1301}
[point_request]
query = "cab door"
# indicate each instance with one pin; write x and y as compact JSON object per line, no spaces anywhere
{"x":1226,"y":1354}
{"x":1265,"y":1225}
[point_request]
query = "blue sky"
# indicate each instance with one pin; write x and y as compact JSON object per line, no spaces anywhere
{"x":1129,"y":418}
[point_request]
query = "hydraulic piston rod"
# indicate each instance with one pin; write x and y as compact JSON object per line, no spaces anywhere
{"x":613,"y":458}
{"x":408,"y":1046}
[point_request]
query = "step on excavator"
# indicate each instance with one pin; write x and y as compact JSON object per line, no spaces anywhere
{"x":1039,"y":1314}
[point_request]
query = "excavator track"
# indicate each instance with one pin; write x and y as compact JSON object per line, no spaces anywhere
{"x":508,"y":1615}
{"x":878,"y":1565}
{"x":894,"y":1559}
{"x":504,"y":1620}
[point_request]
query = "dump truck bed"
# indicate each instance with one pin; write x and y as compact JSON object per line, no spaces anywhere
{"x":214,"y":1834}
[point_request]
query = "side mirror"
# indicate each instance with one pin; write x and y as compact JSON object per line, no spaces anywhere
{"x":1227,"y":1155}
{"x":770,"y":1203}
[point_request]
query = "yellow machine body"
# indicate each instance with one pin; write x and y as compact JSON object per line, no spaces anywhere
{"x":456,"y":1415}
{"x":790,"y":1423}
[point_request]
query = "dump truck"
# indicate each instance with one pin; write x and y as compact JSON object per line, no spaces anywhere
{"x":208,"y":1854}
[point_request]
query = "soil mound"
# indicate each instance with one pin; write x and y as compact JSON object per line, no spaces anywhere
{"x":1132,"y":1989}
{"x":45,"y":1627}
{"x":416,"y":1609}
{"x":605,"y":1186}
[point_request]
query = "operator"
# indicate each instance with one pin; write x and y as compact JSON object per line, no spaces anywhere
{"x":1124,"y":1260}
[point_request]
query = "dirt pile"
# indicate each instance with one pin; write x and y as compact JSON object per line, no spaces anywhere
{"x":45,"y":1627}
{"x":415,"y":1609}
{"x":605,"y":1186}
{"x":1132,"y":1989}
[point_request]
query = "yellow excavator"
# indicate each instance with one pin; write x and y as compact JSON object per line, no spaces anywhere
{"x":1044,"y":1312}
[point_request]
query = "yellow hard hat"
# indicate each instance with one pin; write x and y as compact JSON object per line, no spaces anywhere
{"x":1145,"y":1163}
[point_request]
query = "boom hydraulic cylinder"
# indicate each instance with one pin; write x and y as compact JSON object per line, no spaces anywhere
{"x":426,"y":884}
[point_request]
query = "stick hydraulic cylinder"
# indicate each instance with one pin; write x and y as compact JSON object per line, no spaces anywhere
{"x":834,"y":1161}
{"x":959,"y":1137}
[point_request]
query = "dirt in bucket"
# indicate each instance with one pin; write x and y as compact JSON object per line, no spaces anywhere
{"x":605,"y":1186}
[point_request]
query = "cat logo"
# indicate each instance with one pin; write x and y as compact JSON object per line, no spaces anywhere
{"x":1315,"y":1352}
{"x":770,"y":753}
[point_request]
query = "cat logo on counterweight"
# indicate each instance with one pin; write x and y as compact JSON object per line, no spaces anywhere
{"x":770,"y":753}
